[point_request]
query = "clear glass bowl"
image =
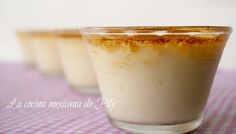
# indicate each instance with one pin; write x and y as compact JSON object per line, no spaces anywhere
{"x":24,"y":38}
{"x":46,"y":53}
{"x":158,"y":77}
{"x":77,"y":66}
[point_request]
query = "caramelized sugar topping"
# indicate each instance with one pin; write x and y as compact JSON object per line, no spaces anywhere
{"x":23,"y":34}
{"x":136,"y":42}
{"x":42,"y":33}
{"x":69,"y":34}
{"x":57,"y":33}
{"x":136,"y":37}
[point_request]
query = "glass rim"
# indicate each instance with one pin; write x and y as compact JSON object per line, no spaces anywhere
{"x":156,"y":30}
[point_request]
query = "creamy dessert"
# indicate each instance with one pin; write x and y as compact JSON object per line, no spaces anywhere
{"x":46,"y":53}
{"x":158,"y":77}
{"x":27,"y":48}
{"x":76,"y":63}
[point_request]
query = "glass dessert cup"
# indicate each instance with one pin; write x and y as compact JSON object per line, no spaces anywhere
{"x":76,"y":63}
{"x":26,"y":47}
{"x":158,"y":77}
{"x":46,"y":53}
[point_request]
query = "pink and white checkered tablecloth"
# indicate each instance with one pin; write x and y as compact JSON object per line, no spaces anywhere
{"x":27,"y":84}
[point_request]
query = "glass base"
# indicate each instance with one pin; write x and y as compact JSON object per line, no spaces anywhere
{"x":30,"y":65}
{"x":86,"y":90}
{"x":158,"y":129}
{"x":55,"y":74}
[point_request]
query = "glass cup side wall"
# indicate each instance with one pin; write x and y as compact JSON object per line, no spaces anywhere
{"x":159,"y":82}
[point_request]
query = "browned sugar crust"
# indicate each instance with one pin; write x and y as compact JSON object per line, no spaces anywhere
{"x":23,"y":34}
{"x":69,"y":34}
{"x":57,"y":33}
{"x":157,"y":41}
{"x":112,"y":38}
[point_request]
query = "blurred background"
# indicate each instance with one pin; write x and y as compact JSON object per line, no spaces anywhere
{"x":52,"y":14}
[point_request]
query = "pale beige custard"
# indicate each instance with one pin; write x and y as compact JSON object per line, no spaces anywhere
{"x":76,"y":63}
{"x":46,"y":52}
{"x":27,"y":48}
{"x":156,"y":79}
